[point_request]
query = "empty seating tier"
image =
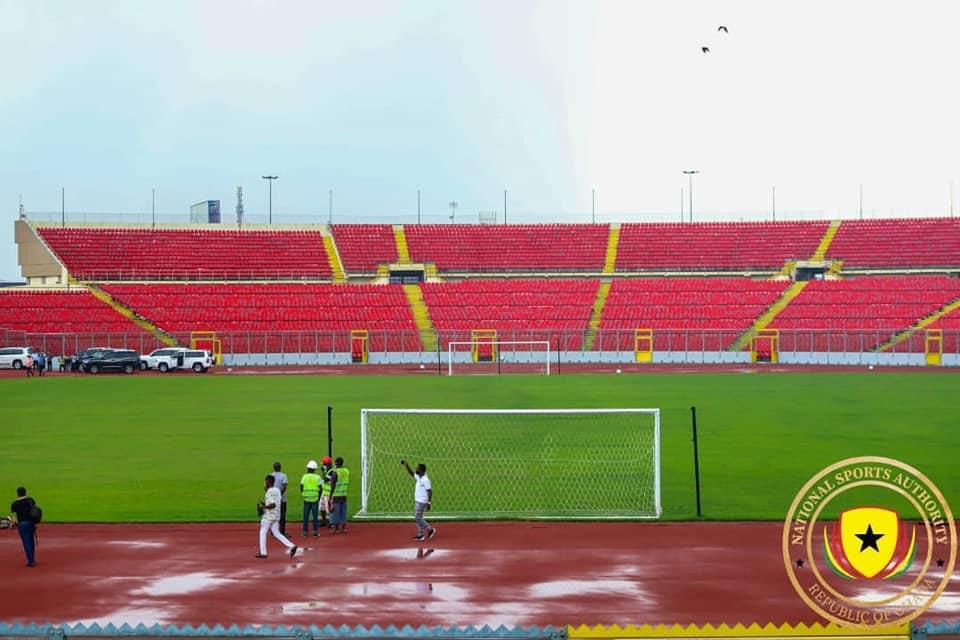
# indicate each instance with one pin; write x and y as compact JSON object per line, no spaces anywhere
{"x":724,"y":307}
{"x":509,"y":248}
{"x":869,"y":309}
{"x":888,"y":303}
{"x":85,"y":320}
{"x":921,"y":242}
{"x":517,"y":309}
{"x":716,"y":246}
{"x":188,"y":254}
{"x":364,"y":246}
{"x":275,"y":318}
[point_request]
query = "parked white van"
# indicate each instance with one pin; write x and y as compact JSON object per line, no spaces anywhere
{"x":162,"y":360}
{"x":14,"y":357}
{"x":198,"y":360}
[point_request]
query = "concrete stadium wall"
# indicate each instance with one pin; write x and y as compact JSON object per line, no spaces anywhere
{"x":429,"y":358}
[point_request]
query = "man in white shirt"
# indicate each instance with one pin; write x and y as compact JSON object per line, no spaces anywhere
{"x":422,"y":499}
{"x":270,"y":518}
{"x":280,"y":482}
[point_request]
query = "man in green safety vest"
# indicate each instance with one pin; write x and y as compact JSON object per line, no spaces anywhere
{"x":339,"y":483}
{"x":310,"y":490}
{"x":326,"y":466}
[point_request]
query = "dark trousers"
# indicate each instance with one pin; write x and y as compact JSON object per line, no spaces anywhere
{"x":338,"y":513}
{"x":311,"y":508}
{"x":27,"y":532}
{"x":283,"y":517}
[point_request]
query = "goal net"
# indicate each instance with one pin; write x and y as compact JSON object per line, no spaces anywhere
{"x":513,"y":463}
{"x":498,"y":357}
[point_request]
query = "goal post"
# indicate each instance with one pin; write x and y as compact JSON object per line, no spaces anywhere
{"x":513,"y":463}
{"x":508,"y":356}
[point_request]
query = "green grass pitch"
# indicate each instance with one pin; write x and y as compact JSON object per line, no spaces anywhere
{"x":195,"y":448}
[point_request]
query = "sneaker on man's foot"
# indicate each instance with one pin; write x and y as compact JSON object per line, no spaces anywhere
{"x":432,"y":533}
{"x":418,"y":537}
{"x":260,"y":555}
{"x":293,"y":550}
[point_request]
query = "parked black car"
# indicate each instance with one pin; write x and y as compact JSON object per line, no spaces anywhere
{"x":116,"y":360}
{"x":76,"y":362}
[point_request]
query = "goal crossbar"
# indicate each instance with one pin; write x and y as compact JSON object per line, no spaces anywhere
{"x":497,"y":344}
{"x":368,"y":452}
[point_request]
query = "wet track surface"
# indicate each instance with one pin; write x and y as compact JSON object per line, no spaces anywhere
{"x":471,"y":573}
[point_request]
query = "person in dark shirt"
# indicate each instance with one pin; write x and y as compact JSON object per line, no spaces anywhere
{"x":22,"y":508}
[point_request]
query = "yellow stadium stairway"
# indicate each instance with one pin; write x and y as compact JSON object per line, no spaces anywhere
{"x":596,"y":314}
{"x":126,"y":312}
{"x":768,"y":316}
{"x":920,"y":325}
{"x":789,"y":294}
{"x":421,"y":316}
{"x":821,"y":253}
{"x":400,"y":237}
{"x":613,"y":241}
{"x":333,"y":257}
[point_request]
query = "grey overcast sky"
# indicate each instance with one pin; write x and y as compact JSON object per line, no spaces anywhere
{"x":547,"y":99}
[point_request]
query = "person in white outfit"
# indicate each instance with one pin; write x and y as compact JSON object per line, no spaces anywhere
{"x":270,"y":518}
{"x":422,"y":500}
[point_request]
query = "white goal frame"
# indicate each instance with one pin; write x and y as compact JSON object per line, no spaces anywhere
{"x":365,"y":459}
{"x":496,"y":343}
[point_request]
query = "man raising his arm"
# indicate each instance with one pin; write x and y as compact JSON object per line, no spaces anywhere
{"x":422,"y":499}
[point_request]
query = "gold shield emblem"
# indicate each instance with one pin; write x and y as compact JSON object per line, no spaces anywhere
{"x":868,"y":537}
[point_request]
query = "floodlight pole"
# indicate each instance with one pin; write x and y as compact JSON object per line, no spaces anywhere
{"x":690,"y":174}
{"x":270,"y":180}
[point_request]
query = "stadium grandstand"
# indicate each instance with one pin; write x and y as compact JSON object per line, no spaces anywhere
{"x":852,"y":292}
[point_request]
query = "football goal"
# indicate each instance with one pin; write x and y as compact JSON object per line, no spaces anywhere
{"x":513,"y":463}
{"x":498,"y":356}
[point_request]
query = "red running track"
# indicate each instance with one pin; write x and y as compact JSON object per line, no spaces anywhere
{"x":471,"y":573}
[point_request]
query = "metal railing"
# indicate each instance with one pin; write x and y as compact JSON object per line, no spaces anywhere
{"x":674,"y":345}
{"x":408,"y":215}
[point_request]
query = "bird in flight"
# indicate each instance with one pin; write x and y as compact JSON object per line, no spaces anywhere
{"x":723,"y":28}
{"x":705,"y":49}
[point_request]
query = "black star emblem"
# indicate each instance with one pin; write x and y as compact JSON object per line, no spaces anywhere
{"x":940,"y":562}
{"x":869,"y":539}
{"x":800,"y":562}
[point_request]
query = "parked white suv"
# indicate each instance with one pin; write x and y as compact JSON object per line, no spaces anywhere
{"x":196,"y":359}
{"x":162,"y":360}
{"x":15,"y":357}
